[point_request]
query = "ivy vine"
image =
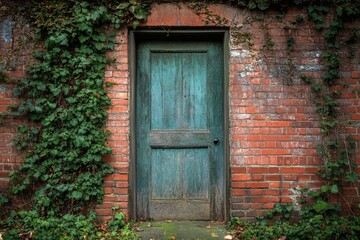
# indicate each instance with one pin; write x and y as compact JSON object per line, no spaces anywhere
{"x":65,"y":97}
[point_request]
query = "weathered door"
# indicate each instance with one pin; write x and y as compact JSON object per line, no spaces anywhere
{"x":179,"y":130}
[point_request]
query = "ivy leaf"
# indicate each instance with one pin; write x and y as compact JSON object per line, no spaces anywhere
{"x":76,"y":195}
{"x":63,"y":40}
{"x":66,"y":91}
{"x":54,"y":90}
{"x":324,"y":188}
{"x":70,"y":100}
{"x":49,"y":43}
{"x":74,"y":122}
{"x":123,"y":5}
{"x":334,"y":189}
{"x":252,"y":5}
{"x":311,"y":9}
{"x":321,"y":206}
{"x":351,"y":177}
{"x":132,"y":9}
{"x":83,"y":38}
{"x":135,"y":24}
{"x":263,"y":5}
{"x":98,"y":46}
{"x":102,"y":37}
{"x":241,"y":3}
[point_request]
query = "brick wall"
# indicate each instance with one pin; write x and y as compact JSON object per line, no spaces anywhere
{"x":274,"y":129}
{"x":15,"y":56}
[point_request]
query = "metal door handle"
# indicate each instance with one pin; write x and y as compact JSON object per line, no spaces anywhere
{"x":216,"y":141}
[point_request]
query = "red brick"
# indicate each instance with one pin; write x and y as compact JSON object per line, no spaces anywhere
{"x":238,"y":192}
{"x":256,"y":192}
{"x":257,"y":177}
{"x":275,"y":151}
{"x":240,"y":177}
{"x":257,"y":184}
{"x":291,"y":170}
{"x":123,"y":177}
{"x":355,"y":74}
{"x":238,"y":169}
{"x":258,"y":170}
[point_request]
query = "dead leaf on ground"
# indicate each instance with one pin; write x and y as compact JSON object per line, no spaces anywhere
{"x":228,"y":237}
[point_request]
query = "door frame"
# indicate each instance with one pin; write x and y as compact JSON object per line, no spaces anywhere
{"x":221,"y":35}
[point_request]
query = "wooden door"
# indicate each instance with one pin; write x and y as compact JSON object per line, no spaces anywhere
{"x":179,"y":130}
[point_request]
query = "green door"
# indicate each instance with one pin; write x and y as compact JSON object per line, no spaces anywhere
{"x":179,"y":131}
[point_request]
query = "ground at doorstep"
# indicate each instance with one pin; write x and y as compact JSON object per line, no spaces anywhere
{"x":181,"y":230}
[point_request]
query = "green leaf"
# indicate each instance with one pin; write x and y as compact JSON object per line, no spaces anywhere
{"x":320,"y":206}
{"x":74,"y":122}
{"x":252,"y":5}
{"x":63,"y":40}
{"x":263,"y":5}
{"x":123,"y":5}
{"x":102,"y":37}
{"x":132,"y":9}
{"x":83,"y":38}
{"x":70,"y":100}
{"x":334,"y":189}
{"x":76,"y":195}
{"x":351,"y":177}
{"x":135,"y":24}
{"x":324,"y":188}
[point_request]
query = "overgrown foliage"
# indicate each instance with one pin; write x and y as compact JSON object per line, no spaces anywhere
{"x":65,"y":98}
{"x":337,"y":149}
{"x":317,"y":227}
{"x":320,"y":214}
{"x":30,"y":225}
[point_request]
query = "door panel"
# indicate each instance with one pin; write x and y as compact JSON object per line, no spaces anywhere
{"x":178,"y":90}
{"x":179,"y":111}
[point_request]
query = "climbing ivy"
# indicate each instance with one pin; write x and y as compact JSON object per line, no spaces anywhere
{"x":336,"y":149}
{"x":65,"y":96}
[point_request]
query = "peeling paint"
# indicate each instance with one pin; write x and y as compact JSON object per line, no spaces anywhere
{"x":309,"y":68}
{"x":235,"y":53}
{"x":294,"y":198}
{"x":240,"y":53}
{"x":242,"y":116}
{"x":242,"y":75}
{"x":6,"y":30}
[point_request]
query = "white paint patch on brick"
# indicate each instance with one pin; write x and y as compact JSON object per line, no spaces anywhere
{"x":242,"y":116}
{"x":235,"y":53}
{"x":242,"y":74}
{"x":240,"y":53}
{"x":310,"y":67}
{"x":294,"y":198}
{"x":6,"y":30}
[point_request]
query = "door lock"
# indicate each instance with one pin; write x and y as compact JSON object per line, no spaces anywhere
{"x":216,"y":141}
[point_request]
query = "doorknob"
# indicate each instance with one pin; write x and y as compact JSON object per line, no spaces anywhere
{"x":216,"y":141}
